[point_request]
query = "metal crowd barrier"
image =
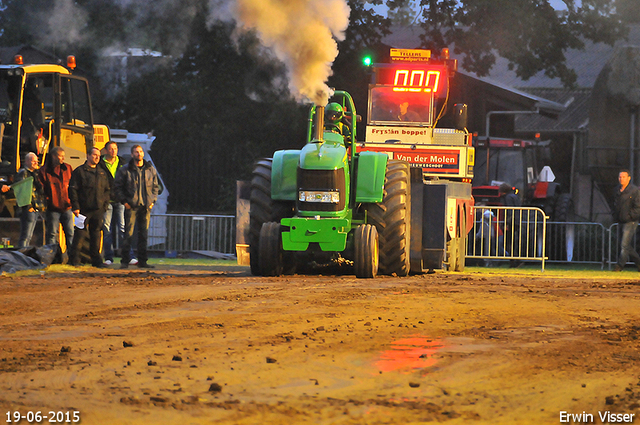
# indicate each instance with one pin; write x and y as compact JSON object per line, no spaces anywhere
{"x":192,"y":232}
{"x":577,"y":242}
{"x":614,"y":244}
{"x":508,"y":233}
{"x":523,"y":234}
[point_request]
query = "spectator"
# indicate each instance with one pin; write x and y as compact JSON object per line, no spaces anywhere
{"x":29,"y":213}
{"x":137,"y":188}
{"x":90,"y":191}
{"x":113,"y":227}
{"x":54,"y":179}
{"x":627,"y":213}
{"x":512,"y":222}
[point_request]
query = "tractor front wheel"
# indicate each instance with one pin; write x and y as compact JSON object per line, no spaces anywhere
{"x":270,"y":250}
{"x":366,"y":251}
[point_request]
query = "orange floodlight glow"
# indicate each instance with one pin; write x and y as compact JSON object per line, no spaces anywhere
{"x":71,"y":62}
{"x":445,"y":53}
{"x":18,"y":60}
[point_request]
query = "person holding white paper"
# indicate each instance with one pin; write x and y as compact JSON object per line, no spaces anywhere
{"x":90,"y":192}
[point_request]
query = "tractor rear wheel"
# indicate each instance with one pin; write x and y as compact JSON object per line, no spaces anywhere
{"x":391,"y":218}
{"x":263,"y":209}
{"x":270,"y":250}
{"x":366,"y":251}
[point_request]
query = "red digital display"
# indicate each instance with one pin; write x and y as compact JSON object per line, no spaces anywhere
{"x":414,"y":79}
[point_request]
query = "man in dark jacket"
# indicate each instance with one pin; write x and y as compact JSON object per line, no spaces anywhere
{"x":137,"y":188}
{"x":54,"y":179}
{"x":90,"y":192}
{"x":627,"y":213}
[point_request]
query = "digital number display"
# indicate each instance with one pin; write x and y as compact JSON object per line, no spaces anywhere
{"x":416,"y":80}
{"x":411,"y":79}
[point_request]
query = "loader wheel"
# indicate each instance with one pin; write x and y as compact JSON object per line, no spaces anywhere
{"x":366,"y":251}
{"x":85,"y":249}
{"x":270,"y":249}
{"x":263,"y":209}
{"x":391,"y":218}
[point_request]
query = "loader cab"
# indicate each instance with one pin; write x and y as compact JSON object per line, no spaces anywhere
{"x":42,"y":106}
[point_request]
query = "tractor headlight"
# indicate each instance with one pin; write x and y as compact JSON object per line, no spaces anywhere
{"x":325,"y":197}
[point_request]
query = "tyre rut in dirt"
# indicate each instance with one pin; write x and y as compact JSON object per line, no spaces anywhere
{"x":366,"y":251}
{"x":270,"y":250}
{"x":391,"y":218}
{"x":263,"y":209}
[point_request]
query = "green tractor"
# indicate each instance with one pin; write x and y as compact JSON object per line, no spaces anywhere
{"x":328,"y":201}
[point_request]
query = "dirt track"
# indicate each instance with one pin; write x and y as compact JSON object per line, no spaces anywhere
{"x":217,"y":345}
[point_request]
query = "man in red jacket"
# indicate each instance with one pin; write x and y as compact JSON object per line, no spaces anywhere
{"x":55,"y":178}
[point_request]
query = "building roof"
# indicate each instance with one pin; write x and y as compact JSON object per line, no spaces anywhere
{"x":575,"y":117}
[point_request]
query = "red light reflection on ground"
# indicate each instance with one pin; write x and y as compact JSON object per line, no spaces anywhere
{"x":408,"y":354}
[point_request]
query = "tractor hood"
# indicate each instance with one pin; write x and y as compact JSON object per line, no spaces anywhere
{"x":325,"y":155}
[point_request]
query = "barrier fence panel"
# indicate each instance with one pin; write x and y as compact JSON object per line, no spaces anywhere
{"x":192,"y":232}
{"x":614,"y":244}
{"x":576,"y":242}
{"x":498,"y":233}
{"x":508,"y":233}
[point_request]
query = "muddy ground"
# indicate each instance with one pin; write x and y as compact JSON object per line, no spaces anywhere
{"x":215,"y":345}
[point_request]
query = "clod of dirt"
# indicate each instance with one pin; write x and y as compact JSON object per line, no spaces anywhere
{"x":368,"y":324}
{"x":215,"y":388}
{"x":271,"y":360}
{"x":130,"y":400}
{"x":127,"y":344}
{"x":156,"y":399}
{"x":152,"y":363}
{"x":414,"y":384}
{"x":177,"y":358}
{"x":609,"y":400}
{"x":65,"y":349}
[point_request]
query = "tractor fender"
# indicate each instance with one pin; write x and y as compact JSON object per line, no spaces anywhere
{"x":284,"y":175}
{"x":370,"y":172}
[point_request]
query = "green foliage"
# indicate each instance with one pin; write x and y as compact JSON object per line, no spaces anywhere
{"x":529,"y":33}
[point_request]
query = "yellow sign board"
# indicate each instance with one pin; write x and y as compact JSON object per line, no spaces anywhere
{"x":410,"y":55}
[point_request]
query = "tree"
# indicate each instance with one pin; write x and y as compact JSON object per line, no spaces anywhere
{"x":214,"y":112}
{"x":529,"y":33}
